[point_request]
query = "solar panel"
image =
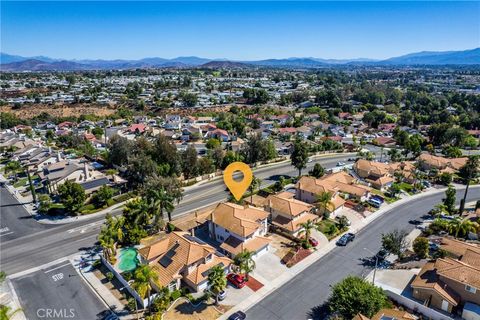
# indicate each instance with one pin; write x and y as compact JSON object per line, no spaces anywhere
{"x":165,"y":261}
{"x":170,"y":253}
{"x":194,"y":239}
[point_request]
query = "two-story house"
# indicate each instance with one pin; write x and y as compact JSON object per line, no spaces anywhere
{"x":239,"y":228}
{"x":289,"y":214}
{"x":450,"y":283}
{"x":180,"y":257}
{"x":309,"y":188}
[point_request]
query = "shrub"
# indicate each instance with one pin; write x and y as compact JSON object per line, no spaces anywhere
{"x":420,"y":247}
{"x":109,"y":276}
{"x":175,"y":295}
{"x":131,"y":304}
{"x":127,"y":276}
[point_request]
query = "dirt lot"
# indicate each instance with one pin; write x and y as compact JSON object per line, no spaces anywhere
{"x":30,"y":111}
{"x":183,"y":310}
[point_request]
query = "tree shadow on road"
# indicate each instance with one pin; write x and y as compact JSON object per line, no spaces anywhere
{"x":318,"y":312}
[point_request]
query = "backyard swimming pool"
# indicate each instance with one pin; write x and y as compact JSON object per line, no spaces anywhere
{"x":128,"y":260}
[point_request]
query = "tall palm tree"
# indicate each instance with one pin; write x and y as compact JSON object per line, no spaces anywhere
{"x":324,"y":200}
{"x":110,"y":234}
{"x":256,"y":183}
{"x":160,"y":202}
{"x":140,"y":210}
{"x":217,"y":281}
{"x":143,"y":277}
{"x":468,"y":173}
{"x":307,"y":228}
{"x":5,"y":313}
{"x":244,"y":262}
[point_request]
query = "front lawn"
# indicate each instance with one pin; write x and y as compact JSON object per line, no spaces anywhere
{"x":330,"y":228}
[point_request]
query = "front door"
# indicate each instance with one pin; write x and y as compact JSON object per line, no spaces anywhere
{"x":445,"y":305}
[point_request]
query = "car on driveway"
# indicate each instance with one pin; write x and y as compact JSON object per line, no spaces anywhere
{"x":239,"y":315}
{"x":313,"y":242}
{"x":345,"y":239}
{"x":237,"y":280}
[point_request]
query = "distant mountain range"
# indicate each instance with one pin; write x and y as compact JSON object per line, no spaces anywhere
{"x":40,"y":63}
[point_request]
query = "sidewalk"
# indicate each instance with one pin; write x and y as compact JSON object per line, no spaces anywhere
{"x":290,"y":273}
{"x":9,"y":298}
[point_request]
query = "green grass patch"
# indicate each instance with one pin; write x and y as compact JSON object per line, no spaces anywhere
{"x":330,"y":228}
{"x":20,"y":183}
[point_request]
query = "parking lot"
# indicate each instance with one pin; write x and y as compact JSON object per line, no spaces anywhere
{"x":57,"y":292}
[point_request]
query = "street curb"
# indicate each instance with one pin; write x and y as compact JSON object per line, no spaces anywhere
{"x":317,"y":255}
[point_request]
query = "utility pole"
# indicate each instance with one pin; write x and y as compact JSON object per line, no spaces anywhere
{"x":32,"y":189}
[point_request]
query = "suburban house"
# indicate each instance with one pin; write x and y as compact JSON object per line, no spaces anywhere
{"x":180,"y":257}
{"x":309,"y":188}
{"x":378,"y":174}
{"x":429,"y":162}
{"x":387,"y":314}
{"x":450,"y":283}
{"x":77,"y":171}
{"x":346,"y":184}
{"x":239,"y":228}
{"x":288,"y":214}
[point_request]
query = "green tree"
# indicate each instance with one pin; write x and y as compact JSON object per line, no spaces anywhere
{"x":102,"y":196}
{"x":324,"y":201}
{"x":45,"y":203}
{"x":421,"y":247}
{"x":217,"y":281}
{"x":394,"y":189}
{"x":469,"y":172}
{"x":244,"y":262}
{"x":395,"y":155}
{"x":166,"y":199}
{"x":462,"y":227}
{"x":6,"y":313}
{"x":72,"y":195}
{"x":395,"y":242}
{"x":212,"y":143}
{"x":318,"y":171}
{"x":110,"y":235}
{"x":190,"y":162}
{"x":307,"y":228}
{"x":143,"y":277}
{"x":160,"y":201}
{"x":14,"y":167}
{"x":450,"y":198}
{"x":299,"y":157}
{"x":354,"y":295}
{"x":445,"y":178}
{"x":256,"y":183}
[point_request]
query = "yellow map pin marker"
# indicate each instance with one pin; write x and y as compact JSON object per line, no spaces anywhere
{"x":237,"y":188}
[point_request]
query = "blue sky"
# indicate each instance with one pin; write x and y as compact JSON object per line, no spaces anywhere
{"x":236,"y":30}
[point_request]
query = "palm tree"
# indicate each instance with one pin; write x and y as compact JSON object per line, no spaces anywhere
{"x":324,"y":200}
{"x":110,"y":234}
{"x":140,"y":210}
{"x":469,"y":172}
{"x":217,"y":280}
{"x":256,"y":183}
{"x":453,"y":226}
{"x":245,"y":263}
{"x":307,"y":228}
{"x":463,"y":227}
{"x":143,"y":277}
{"x":160,"y":202}
{"x":5,"y":313}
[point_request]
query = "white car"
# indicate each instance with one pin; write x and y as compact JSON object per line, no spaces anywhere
{"x":340,"y":164}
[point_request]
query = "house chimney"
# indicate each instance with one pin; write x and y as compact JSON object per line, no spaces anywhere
{"x":59,"y":157}
{"x":85,"y":170}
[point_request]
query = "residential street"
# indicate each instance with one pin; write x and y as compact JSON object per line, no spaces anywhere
{"x":41,"y":244}
{"x":57,"y":292}
{"x":300,"y":297}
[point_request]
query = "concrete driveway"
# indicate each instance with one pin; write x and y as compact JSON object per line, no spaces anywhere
{"x":268,"y":267}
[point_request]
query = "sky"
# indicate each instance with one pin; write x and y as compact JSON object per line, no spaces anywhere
{"x":236,"y":30}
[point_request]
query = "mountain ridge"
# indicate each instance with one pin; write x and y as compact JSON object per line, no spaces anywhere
{"x":10,"y":62}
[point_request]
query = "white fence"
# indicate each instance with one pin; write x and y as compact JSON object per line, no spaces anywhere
{"x":417,"y":307}
{"x":143,"y":302}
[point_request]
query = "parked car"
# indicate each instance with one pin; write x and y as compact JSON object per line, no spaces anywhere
{"x":426,"y":184}
{"x":377,"y":197}
{"x":313,"y":242}
{"x":345,"y":239}
{"x":340,"y":164}
{"x":222,"y":295}
{"x":374,"y":202}
{"x":433,"y":246}
{"x":415,"y":222}
{"x":237,"y":280}
{"x":239,"y":315}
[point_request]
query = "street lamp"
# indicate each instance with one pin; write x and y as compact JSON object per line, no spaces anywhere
{"x":376,"y":264}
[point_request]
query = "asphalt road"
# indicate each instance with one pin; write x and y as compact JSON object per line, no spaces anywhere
{"x":57,"y":292}
{"x":300,"y":297}
{"x":43,"y":244}
{"x":15,"y":221}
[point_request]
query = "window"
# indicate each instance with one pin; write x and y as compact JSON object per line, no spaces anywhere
{"x":470,"y":289}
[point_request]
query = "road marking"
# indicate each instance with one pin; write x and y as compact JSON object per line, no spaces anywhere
{"x":58,"y":276}
{"x":63,"y":265}
{"x":4,"y":229}
{"x":83,"y":228}
{"x":1,"y":235}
